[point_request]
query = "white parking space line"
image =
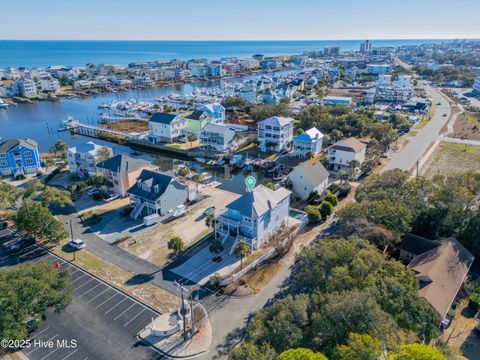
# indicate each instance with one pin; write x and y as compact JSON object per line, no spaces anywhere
{"x":89,"y":281}
{"x":124,"y":311}
{"x":79,"y":278}
{"x":129,"y":321}
{"x":48,"y":327}
{"x":86,"y":292}
{"x":73,"y":352}
{"x":50,"y":353}
{"x":105,"y":313}
{"x":107,"y":300}
{"x":99,"y":294}
{"x":53,"y":337}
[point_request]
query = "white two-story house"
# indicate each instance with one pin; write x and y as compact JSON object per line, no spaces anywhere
{"x":166,"y":127}
{"x":275,"y":133}
{"x":83,"y":158}
{"x":218,"y":137}
{"x":308,"y":142}
{"x":255,"y":216}
{"x":343,"y":152}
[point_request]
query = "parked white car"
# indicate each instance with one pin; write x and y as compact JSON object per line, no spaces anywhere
{"x":77,"y":244}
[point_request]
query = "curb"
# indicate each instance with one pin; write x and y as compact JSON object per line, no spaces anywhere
{"x":168,"y":355}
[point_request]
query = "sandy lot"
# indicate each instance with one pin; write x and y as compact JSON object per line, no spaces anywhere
{"x":467,"y":126}
{"x":151,"y":243}
{"x":452,"y":158}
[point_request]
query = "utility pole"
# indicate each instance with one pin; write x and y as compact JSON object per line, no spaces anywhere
{"x":71,"y":238}
{"x":183,"y":310}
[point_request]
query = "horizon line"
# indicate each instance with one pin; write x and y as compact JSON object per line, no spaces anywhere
{"x":252,"y":40}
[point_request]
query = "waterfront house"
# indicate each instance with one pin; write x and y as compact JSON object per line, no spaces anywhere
{"x":440,"y":266}
{"x":206,"y":114}
{"x":343,"y":152}
{"x":121,"y":172}
{"x":307,"y":178}
{"x":26,"y":87}
{"x":19,"y":157}
{"x":83,"y":158}
{"x":255,"y":217}
{"x":218,"y":137}
{"x":166,"y":127}
{"x":156,"y":193}
{"x":275,"y":133}
{"x":308,"y":142}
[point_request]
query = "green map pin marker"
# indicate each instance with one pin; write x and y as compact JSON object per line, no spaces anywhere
{"x":250,"y":181}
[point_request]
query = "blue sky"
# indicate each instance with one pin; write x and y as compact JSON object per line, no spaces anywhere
{"x":239,"y":20}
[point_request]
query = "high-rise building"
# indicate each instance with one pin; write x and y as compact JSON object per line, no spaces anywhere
{"x":366,"y":46}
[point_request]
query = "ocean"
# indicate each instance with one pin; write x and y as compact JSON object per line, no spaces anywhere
{"x":29,"y":53}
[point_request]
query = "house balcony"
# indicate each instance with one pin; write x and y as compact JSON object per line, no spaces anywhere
{"x":229,"y":221}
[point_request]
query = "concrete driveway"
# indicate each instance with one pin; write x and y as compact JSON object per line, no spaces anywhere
{"x":200,"y":267}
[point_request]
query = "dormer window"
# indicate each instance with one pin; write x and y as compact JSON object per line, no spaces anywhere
{"x":156,"y":188}
{"x":139,"y":183}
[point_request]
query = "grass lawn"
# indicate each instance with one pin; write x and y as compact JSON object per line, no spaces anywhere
{"x":173,"y":146}
{"x":421,"y":124}
{"x":452,"y":157}
{"x":112,"y":274}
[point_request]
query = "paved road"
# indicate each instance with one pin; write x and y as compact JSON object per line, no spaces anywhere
{"x":408,"y":156}
{"x":100,"y":323}
{"x":117,"y":256}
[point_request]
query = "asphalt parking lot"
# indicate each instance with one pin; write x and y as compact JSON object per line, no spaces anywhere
{"x":100,"y":323}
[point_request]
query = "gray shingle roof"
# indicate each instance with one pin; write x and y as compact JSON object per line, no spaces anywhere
{"x":316,"y":173}
{"x":260,"y":199}
{"x":8,"y":145}
{"x":122,"y":163}
{"x":151,"y":179}
{"x":195,"y":115}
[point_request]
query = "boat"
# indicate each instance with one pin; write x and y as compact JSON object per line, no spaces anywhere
{"x":3,"y":104}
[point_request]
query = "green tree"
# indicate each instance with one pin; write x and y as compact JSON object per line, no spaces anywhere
{"x":191,"y":138}
{"x":313,"y":215}
{"x":97,"y":181}
{"x":418,"y":352}
{"x":248,"y":351}
{"x":332,"y":199}
{"x":9,"y":195}
{"x":216,"y":247}
{"x":38,"y":221}
{"x":104,"y":153}
{"x":59,"y":146}
{"x":326,"y":209}
{"x":27,"y":291}
{"x":176,"y":244}
{"x":211,"y":222}
{"x":301,"y":354}
{"x":242,"y":250}
{"x":360,"y":347}
{"x":52,"y":196}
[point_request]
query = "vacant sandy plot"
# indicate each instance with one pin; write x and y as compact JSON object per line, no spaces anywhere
{"x":451,"y":158}
{"x":467,"y":126}
{"x":151,"y":243}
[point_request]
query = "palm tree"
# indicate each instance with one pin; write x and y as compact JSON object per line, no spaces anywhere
{"x":242,"y":249}
{"x":343,"y":176}
{"x":210,"y":221}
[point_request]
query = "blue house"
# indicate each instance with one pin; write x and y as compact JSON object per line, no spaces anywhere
{"x":19,"y":157}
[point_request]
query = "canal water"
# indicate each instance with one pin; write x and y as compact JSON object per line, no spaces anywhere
{"x":41,"y":120}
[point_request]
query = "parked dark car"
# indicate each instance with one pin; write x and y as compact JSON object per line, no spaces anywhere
{"x":3,"y":225}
